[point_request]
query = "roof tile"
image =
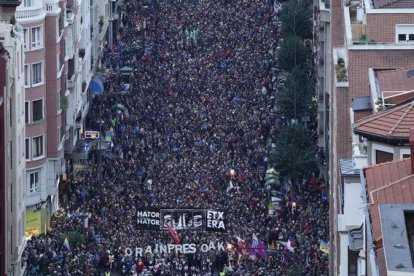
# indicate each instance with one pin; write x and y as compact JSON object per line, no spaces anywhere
{"x":393,"y":4}
{"x":390,"y":182}
{"x":392,"y":123}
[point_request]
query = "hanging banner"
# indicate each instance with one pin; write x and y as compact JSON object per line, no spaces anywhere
{"x":216,"y":221}
{"x":148,"y":218}
{"x":182,"y":219}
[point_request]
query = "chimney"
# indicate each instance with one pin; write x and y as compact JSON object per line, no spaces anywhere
{"x":412,"y":149}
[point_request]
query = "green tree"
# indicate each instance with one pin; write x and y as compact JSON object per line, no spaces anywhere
{"x":74,"y":238}
{"x":295,"y":154}
{"x":295,"y":97}
{"x":296,"y":17}
{"x":292,"y":52}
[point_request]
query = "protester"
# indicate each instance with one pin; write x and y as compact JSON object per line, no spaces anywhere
{"x":190,"y":132}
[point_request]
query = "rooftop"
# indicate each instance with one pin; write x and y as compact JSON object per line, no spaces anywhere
{"x":393,"y":4}
{"x":396,"y":85}
{"x":355,"y":22}
{"x":388,"y":183}
{"x":396,"y":245}
{"x":393,"y":124}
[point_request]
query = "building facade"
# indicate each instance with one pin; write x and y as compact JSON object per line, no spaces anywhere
{"x":44,"y":72}
{"x":59,"y":64}
{"x":12,"y":154}
{"x":358,"y":41}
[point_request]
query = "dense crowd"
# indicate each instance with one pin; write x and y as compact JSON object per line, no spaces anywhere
{"x":198,"y":106}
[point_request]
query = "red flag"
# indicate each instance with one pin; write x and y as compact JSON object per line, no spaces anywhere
{"x":242,"y":246}
{"x":174,"y":234}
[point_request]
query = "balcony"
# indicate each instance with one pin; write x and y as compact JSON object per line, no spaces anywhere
{"x":52,"y":7}
{"x":70,"y":83}
{"x":324,"y":10}
{"x":10,"y":3}
{"x":355,"y":30}
{"x":341,"y":67}
{"x":69,"y":15}
{"x":30,"y":13}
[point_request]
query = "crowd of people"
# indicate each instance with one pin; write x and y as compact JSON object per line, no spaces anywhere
{"x":196,"y":117}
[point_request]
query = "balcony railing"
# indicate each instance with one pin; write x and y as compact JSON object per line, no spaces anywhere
{"x":69,"y":16}
{"x":70,"y":82}
{"x":52,"y":7}
{"x":29,"y":12}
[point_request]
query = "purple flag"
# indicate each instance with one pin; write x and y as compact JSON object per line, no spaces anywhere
{"x":258,"y":247}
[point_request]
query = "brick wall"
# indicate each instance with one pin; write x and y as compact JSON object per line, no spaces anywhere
{"x":361,"y":114}
{"x":359,"y":62}
{"x":381,"y":27}
{"x":53,"y":119}
{"x":3,"y":168}
{"x":343,"y":125}
{"x":337,"y":23}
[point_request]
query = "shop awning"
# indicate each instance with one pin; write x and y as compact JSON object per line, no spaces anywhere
{"x":97,"y":86}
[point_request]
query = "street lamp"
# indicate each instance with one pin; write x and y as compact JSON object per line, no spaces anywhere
{"x":294,"y":206}
{"x":100,"y":148}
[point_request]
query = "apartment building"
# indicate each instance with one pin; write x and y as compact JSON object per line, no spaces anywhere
{"x":362,"y":42}
{"x":12,"y":154}
{"x":44,"y":72}
{"x":58,"y":69}
{"x":388,"y":204}
{"x":385,"y":137}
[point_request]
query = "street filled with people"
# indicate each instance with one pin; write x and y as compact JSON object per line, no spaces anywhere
{"x":190,"y":131}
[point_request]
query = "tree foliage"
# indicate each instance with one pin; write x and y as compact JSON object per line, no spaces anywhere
{"x":292,"y":53}
{"x":295,"y":154}
{"x":74,"y":238}
{"x":295,"y":97}
{"x":296,"y":17}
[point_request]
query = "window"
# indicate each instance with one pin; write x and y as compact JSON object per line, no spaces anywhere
{"x":57,"y":28}
{"x":57,"y":64}
{"x":404,"y":33}
{"x":27,"y":149}
{"x":33,"y":182}
{"x":59,"y":106}
{"x":383,"y":156}
{"x":37,"y":73}
{"x":19,"y":68}
{"x":27,"y":3}
{"x":11,"y":155}
{"x":58,"y":135}
{"x":405,"y":37}
{"x":401,"y":37}
{"x":37,"y":146}
{"x":36,"y":37}
{"x":37,"y":110}
{"x":26,"y":75}
{"x":26,"y":113}
{"x":26,"y":39}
